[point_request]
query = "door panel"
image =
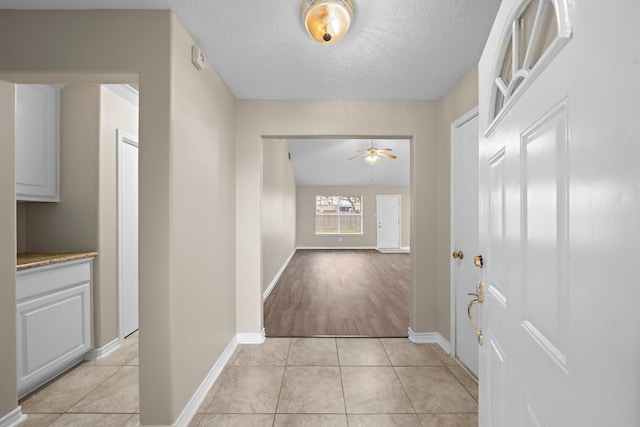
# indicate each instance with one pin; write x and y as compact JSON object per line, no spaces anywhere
{"x":388,"y":217}
{"x":494,"y":386}
{"x":559,"y":203}
{"x":128,"y":232}
{"x":464,"y":140}
{"x":545,"y":228}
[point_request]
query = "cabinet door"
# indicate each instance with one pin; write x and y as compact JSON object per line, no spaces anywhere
{"x":37,"y":142}
{"x":53,"y":330}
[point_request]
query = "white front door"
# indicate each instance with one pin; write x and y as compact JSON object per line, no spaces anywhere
{"x":560,"y":214}
{"x":127,"y":150}
{"x":388,"y":220}
{"x":464,"y":239}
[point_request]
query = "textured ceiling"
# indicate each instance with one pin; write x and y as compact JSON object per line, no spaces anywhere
{"x":395,"y":50}
{"x":324,"y":162}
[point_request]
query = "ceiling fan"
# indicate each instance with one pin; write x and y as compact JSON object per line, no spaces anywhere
{"x":373,"y":154}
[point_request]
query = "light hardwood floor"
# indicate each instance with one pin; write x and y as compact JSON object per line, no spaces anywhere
{"x":340,"y":293}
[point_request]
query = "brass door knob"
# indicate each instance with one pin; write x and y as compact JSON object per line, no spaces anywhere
{"x":457,"y":255}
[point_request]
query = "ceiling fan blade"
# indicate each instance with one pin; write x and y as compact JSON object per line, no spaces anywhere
{"x":384,"y":149}
{"x":358,"y":155}
{"x":387,"y":155}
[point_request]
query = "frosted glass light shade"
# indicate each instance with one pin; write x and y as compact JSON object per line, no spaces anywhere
{"x":327,"y":21}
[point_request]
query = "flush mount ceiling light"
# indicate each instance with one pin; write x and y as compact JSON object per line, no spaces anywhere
{"x":327,"y":21}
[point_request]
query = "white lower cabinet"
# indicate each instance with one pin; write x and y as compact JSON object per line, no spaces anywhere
{"x":53,"y":320}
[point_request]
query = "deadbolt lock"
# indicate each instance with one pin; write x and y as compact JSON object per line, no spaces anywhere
{"x":478,"y":262}
{"x":457,"y":255}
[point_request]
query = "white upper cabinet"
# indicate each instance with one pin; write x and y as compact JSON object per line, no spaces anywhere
{"x":37,"y":143}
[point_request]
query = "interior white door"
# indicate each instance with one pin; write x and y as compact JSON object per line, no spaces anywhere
{"x":559,"y":204}
{"x":388,"y":217}
{"x":127,"y":150}
{"x":464,"y":239}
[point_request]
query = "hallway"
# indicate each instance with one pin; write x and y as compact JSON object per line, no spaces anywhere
{"x":283,"y":382}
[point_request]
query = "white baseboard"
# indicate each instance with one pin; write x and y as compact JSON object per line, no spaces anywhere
{"x":23,"y":391}
{"x":198,"y":397}
{"x":13,"y":418}
{"x":402,"y":250}
{"x":98,"y":353}
{"x":336,"y":247}
{"x":430,"y":338}
{"x":251,"y":337}
{"x":274,"y":282}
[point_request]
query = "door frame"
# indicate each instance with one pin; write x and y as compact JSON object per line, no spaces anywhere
{"x":399,"y":199}
{"x":469,"y":115}
{"x":121,"y":138}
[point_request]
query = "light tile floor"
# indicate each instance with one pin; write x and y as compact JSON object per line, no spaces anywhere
{"x":343,"y":382}
{"x":297,"y":382}
{"x":97,"y":393}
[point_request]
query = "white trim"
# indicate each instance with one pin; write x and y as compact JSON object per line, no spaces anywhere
{"x":469,"y":115}
{"x":251,"y":337}
{"x":429,"y":338}
{"x":13,"y":418}
{"x":274,"y":282}
{"x":128,"y":92}
{"x":457,"y":123}
{"x":401,"y":250}
{"x":121,"y":138}
{"x":336,"y":247}
{"x":23,"y":391}
{"x":201,"y":393}
{"x":98,"y":353}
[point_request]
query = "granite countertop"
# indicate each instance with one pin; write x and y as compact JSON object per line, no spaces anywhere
{"x":31,"y":260}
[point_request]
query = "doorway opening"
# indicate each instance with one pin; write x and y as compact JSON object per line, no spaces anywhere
{"x":322,"y":272}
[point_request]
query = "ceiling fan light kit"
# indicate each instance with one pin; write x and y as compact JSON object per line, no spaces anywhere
{"x":372,"y":159}
{"x":372,"y":155}
{"x":327,"y":21}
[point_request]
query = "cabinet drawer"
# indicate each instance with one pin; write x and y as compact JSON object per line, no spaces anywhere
{"x":51,"y":278}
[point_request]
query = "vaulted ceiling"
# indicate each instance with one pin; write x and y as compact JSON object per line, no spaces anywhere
{"x":325,"y":162}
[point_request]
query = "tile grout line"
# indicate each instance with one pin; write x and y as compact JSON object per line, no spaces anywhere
{"x":461,"y":383}
{"x":344,"y":398}
{"x":415,"y":412}
{"x":284,"y":372}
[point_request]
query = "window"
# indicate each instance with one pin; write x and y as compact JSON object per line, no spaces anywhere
{"x":536,"y":32}
{"x":338,"y":214}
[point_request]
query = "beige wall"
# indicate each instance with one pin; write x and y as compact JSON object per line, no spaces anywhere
{"x":460,"y":99}
{"x":306,"y":214}
{"x":187,"y":267}
{"x":413,"y":120}
{"x":71,"y":225}
{"x":278,"y":210}
{"x":202,"y":219}
{"x":8,"y":369}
